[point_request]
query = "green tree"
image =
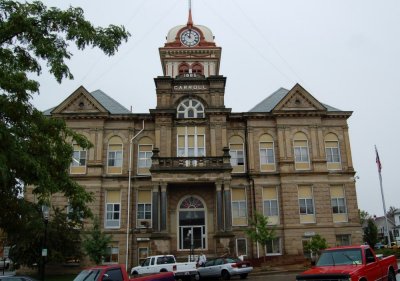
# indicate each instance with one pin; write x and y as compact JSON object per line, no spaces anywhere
{"x":371,"y":233}
{"x":260,"y":232}
{"x":364,"y":215}
{"x":390,"y":212}
{"x":63,"y":236}
{"x":36,"y":150}
{"x":95,"y":244}
{"x":315,"y":245}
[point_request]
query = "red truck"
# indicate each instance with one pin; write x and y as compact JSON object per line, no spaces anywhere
{"x":117,"y":272}
{"x":351,"y":263}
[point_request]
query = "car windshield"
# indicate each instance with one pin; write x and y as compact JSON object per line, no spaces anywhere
{"x":232,"y":260}
{"x":88,"y":275}
{"x":340,"y":257}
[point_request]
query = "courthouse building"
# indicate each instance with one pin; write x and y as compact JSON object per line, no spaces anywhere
{"x":190,"y":174}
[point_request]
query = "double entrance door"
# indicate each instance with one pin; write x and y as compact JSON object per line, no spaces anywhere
{"x":192,"y":237}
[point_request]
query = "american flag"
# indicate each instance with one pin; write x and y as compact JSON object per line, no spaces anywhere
{"x":378,"y":161}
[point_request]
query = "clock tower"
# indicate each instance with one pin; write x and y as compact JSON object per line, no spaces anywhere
{"x":190,"y":49}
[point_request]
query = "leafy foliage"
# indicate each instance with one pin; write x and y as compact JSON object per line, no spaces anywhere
{"x":364,"y":216}
{"x":95,"y":244}
{"x":259,"y":231}
{"x":316,"y":244}
{"x":390,"y":212}
{"x":36,"y":150}
{"x":371,"y":233}
{"x":27,"y":236}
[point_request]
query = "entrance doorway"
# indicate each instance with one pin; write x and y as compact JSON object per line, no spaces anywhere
{"x":192,"y":224}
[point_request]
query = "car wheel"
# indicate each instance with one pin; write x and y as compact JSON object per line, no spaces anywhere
{"x":225,"y":275}
{"x":391,"y":276}
{"x":135,"y":274}
{"x":243,"y":276}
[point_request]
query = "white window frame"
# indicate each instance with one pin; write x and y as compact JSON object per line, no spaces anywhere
{"x":264,"y":159}
{"x":197,"y":151}
{"x":304,"y":154}
{"x":307,"y":206}
{"x":270,"y":208}
{"x":184,"y":109}
{"x":273,"y":242}
{"x":139,"y":220}
{"x":235,"y":157}
{"x":241,"y":209}
{"x":115,"y":223}
{"x":77,"y":159}
{"x":116,"y":156}
{"x":341,"y":209}
{"x":147,"y":157}
{"x":237,"y":246}
{"x":330,"y":156}
{"x":109,"y":252}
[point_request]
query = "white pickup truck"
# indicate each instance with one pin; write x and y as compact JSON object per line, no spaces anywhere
{"x":164,"y":263}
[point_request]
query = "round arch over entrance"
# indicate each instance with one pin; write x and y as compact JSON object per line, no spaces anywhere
{"x":191,"y":223}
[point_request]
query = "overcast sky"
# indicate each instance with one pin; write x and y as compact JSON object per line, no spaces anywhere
{"x":346,"y":53}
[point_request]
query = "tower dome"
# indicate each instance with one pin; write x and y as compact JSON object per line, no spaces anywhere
{"x":174,"y":33}
{"x":190,"y":51}
{"x":190,"y":35}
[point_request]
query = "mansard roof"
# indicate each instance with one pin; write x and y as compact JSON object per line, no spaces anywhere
{"x":270,"y":103}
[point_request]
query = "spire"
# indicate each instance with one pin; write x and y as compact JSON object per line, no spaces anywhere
{"x":190,"y":21}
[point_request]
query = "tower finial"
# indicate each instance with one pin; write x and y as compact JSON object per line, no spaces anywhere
{"x":190,"y":21}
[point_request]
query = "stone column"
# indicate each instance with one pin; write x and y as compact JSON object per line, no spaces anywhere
{"x":218,"y":186}
{"x":154,"y":206}
{"x":227,"y":205}
{"x":163,"y":205}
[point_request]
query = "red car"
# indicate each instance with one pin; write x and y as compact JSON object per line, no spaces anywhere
{"x":351,"y":263}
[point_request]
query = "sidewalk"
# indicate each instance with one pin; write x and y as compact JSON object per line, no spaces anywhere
{"x":265,"y":270}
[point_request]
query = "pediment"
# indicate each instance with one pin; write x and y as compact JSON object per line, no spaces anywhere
{"x":80,"y":102}
{"x":298,"y":99}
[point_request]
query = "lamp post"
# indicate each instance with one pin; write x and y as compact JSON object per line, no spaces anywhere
{"x":189,"y":237}
{"x":45,"y":213}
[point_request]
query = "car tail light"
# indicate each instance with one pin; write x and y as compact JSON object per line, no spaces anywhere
{"x":174,"y":267}
{"x":235,"y":265}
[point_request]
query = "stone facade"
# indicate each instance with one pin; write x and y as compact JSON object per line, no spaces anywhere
{"x":191,"y":174}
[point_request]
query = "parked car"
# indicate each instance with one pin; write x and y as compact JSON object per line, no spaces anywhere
{"x":164,"y":263}
{"x":116,"y":272}
{"x":224,"y":268}
{"x":379,"y":245}
{"x":351,"y":263}
{"x":17,"y":278}
{"x":5,"y":263}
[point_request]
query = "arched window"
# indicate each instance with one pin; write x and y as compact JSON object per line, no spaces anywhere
{"x":183,"y":68}
{"x":197,"y":68}
{"x":192,"y":224}
{"x":267,"y":153}
{"x":190,"y":108}
{"x":236,"y":150}
{"x":301,"y":151}
{"x":79,"y":160}
{"x":114,"y":155}
{"x":145,"y":151}
{"x":332,"y":152}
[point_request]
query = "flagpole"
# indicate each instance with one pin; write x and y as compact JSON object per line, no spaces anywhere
{"x":378,"y":162}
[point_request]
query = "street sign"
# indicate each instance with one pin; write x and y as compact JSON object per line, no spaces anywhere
{"x":44,"y":252}
{"x":6,"y":252}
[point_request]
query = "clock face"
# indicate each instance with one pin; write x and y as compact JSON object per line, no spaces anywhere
{"x":190,"y":37}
